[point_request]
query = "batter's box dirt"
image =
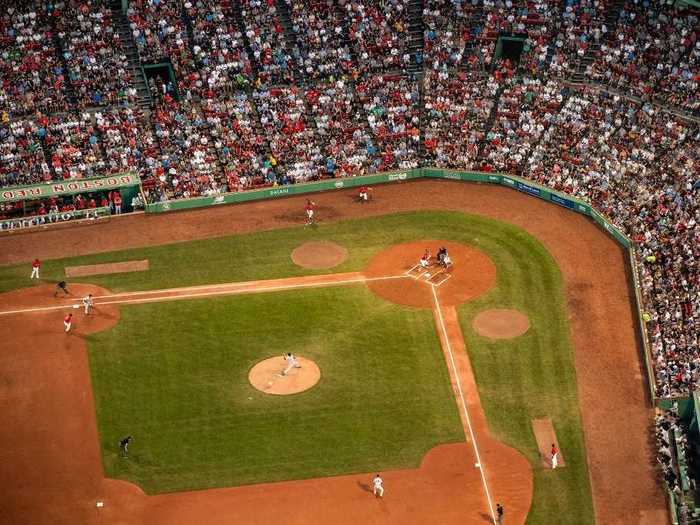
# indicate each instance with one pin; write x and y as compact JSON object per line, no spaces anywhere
{"x":472,"y":275}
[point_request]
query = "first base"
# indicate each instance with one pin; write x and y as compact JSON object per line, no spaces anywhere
{"x":100,"y":504}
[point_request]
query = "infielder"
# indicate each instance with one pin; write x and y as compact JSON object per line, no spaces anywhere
{"x":291,"y":363}
{"x":87,"y":303}
{"x":555,"y":454}
{"x":378,"y":486}
{"x":67,"y":322}
{"x":35,"y":269}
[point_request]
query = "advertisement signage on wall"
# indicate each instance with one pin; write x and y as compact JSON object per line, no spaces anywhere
{"x":23,"y":223}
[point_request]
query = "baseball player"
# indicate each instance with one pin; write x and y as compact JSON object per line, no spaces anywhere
{"x":35,"y":269}
{"x":124,"y":445}
{"x":378,"y":486}
{"x":499,"y":514}
{"x":67,"y":322}
{"x":291,"y":363}
{"x":61,"y":286}
{"x":425,"y":259}
{"x":87,"y":303}
{"x":310,"y":208}
{"x":555,"y":454}
{"x":364,"y":194}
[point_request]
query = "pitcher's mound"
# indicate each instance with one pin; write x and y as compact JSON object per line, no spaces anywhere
{"x":319,"y":254}
{"x":267,"y":377}
{"x":501,"y":323}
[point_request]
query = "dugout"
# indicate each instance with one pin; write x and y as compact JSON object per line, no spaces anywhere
{"x":24,"y":207}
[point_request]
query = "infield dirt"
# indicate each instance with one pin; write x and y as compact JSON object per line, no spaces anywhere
{"x":50,"y":463}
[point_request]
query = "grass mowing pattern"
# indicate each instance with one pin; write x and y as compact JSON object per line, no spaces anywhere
{"x":532,"y":376}
{"x":175,"y":376}
{"x":519,"y":380}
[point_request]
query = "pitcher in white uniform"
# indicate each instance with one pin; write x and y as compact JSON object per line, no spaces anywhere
{"x":291,"y":363}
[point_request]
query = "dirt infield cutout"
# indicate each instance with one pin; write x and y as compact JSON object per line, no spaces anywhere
{"x":545,"y":436}
{"x":267,"y":377}
{"x":103,"y":269}
{"x":319,"y":255}
{"x":501,"y":323}
{"x":472,"y":274}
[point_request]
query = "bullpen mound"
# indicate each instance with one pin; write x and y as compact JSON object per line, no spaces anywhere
{"x":267,"y":377}
{"x":501,"y":323}
{"x":319,"y":255}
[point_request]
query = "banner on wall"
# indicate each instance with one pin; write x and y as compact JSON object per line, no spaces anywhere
{"x":68,"y":187}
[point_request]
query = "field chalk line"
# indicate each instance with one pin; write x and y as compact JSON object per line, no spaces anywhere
{"x":245,"y":287}
{"x":448,"y":346}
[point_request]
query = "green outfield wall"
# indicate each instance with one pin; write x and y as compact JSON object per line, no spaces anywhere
{"x":283,"y":191}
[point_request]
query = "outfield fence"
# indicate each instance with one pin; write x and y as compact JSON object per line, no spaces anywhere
{"x":509,"y":181}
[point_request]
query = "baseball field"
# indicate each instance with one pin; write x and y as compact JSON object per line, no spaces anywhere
{"x":439,"y":379}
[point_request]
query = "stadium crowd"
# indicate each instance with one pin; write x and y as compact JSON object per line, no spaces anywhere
{"x":673,"y":452}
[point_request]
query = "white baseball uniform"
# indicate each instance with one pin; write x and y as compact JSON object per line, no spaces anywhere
{"x":291,"y":363}
{"x":378,"y":487}
{"x":87,"y":303}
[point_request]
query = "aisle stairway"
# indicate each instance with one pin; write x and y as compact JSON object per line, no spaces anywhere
{"x":415,"y":34}
{"x":121,"y":22}
{"x":611,"y":22}
{"x":285,"y":18}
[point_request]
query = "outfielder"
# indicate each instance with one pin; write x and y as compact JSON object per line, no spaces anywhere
{"x":378,"y":486}
{"x":35,"y":269}
{"x":291,"y":363}
{"x":87,"y":303}
{"x":310,"y":207}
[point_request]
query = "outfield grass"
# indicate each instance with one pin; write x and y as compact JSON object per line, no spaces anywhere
{"x":533,"y":376}
{"x":175,"y":376}
{"x":529,"y":377}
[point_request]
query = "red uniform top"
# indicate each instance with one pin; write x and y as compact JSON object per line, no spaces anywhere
{"x":554,"y":450}
{"x":68,"y":318}
{"x":36,"y":263}
{"x":363,"y":189}
{"x":310,"y":206}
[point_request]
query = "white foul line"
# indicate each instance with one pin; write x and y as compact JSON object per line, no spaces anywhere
{"x":464,"y":403}
{"x":260,"y":288}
